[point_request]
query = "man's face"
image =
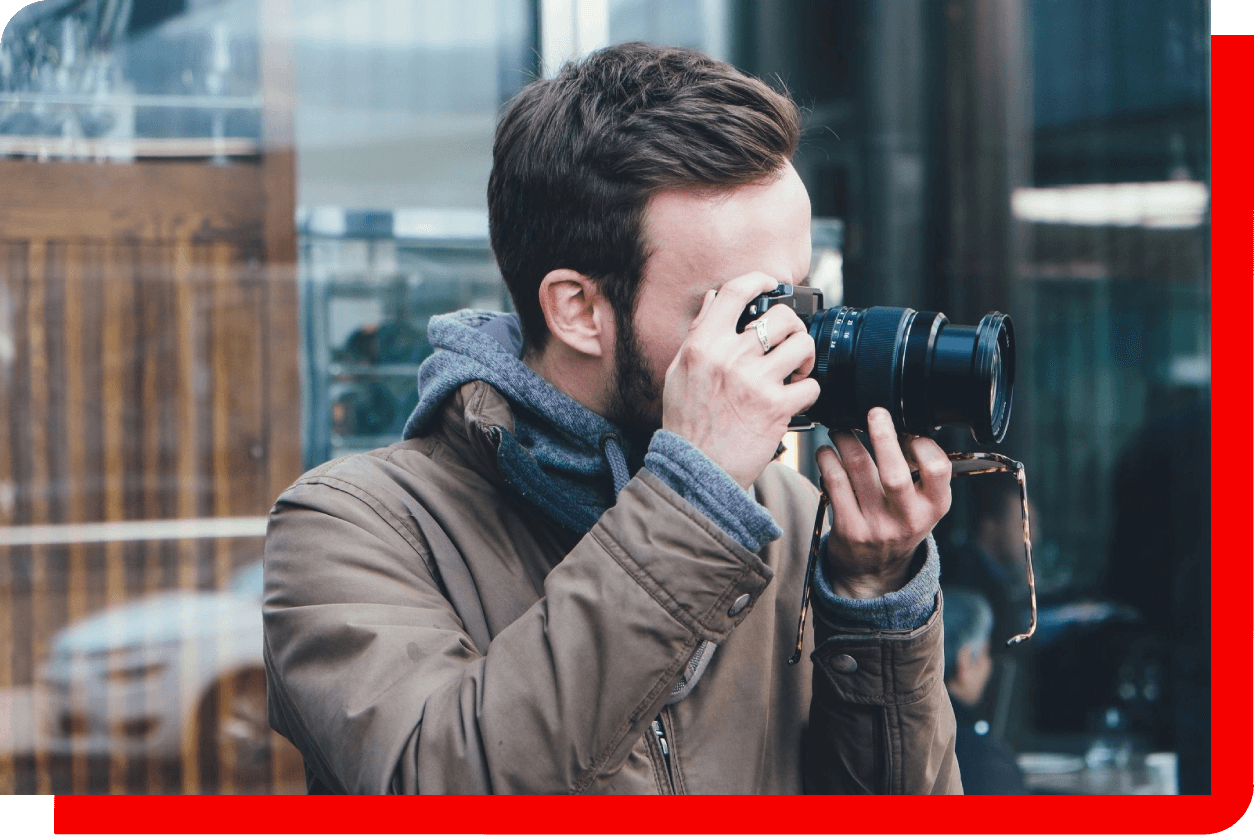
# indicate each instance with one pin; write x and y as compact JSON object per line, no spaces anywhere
{"x":699,"y":240}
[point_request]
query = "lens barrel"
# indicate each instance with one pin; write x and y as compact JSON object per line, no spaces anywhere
{"x":926,"y":371}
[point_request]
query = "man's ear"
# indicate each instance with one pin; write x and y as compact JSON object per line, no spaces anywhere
{"x":574,"y":310}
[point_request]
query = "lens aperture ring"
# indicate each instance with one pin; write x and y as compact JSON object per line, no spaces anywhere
{"x":826,"y":320}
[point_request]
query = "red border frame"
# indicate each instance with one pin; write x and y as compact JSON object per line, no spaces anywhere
{"x":1232,"y":245}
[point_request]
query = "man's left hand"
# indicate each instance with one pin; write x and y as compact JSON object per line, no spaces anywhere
{"x":880,"y":514}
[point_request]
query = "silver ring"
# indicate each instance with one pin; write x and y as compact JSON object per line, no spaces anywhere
{"x":760,"y":326}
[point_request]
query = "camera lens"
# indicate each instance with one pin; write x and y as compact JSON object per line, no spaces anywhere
{"x":926,"y":371}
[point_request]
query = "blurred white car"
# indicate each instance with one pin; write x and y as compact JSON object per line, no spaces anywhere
{"x":172,"y":676}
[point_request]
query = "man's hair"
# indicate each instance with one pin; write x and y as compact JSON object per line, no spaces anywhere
{"x":577,"y":158}
{"x":968,"y":622}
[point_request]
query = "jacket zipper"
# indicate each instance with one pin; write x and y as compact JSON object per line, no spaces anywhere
{"x":659,"y":731}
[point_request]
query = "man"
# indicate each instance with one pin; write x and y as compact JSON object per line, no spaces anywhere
{"x":988,"y":765}
{"x":580,"y":571}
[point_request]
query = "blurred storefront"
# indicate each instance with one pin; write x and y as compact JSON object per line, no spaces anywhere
{"x":150,"y":401}
{"x":224,"y":225}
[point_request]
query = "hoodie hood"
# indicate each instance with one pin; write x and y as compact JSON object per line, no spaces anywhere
{"x":561,"y":456}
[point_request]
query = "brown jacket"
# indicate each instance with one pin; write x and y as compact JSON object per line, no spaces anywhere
{"x":382,"y":675}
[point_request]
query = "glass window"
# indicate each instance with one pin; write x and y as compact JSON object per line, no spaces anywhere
{"x":1048,"y":159}
{"x":116,"y":81}
{"x":224,"y":231}
{"x":167,"y":363}
{"x":370,"y":282}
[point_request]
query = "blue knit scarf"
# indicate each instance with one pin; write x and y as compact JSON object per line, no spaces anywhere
{"x":563,"y":458}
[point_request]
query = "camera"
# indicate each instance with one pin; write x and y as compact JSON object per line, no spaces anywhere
{"x":926,"y":371}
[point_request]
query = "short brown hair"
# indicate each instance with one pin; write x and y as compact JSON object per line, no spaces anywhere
{"x":577,"y":158}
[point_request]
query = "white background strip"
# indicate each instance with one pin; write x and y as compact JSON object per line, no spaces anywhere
{"x":111,"y":532}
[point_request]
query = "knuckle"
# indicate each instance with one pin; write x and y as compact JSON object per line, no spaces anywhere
{"x":934,"y":468}
{"x":894,"y":483}
{"x":787,"y":317}
{"x":857,"y":463}
{"x":804,"y":344}
{"x":834,"y":474}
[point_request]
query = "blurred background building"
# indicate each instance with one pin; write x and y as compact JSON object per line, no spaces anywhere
{"x":224,"y":225}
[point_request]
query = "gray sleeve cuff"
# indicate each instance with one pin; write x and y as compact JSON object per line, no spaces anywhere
{"x":694,"y":476}
{"x":906,"y":609}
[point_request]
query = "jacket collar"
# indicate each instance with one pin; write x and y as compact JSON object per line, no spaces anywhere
{"x":562,"y":457}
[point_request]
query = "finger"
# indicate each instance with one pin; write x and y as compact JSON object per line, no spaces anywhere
{"x":807,"y":367}
{"x":935,"y":473}
{"x":860,"y":468}
{"x":781,"y":323}
{"x":793,"y":354}
{"x":904,"y":440}
{"x":894,"y":472}
{"x":732,"y":298}
{"x":800,"y":396}
{"x":778,"y":323}
{"x":847,"y":515}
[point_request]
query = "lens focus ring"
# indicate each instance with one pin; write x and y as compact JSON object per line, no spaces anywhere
{"x":875,"y":379}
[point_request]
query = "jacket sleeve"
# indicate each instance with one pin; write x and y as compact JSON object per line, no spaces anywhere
{"x":376,"y":681}
{"x":880,"y":717}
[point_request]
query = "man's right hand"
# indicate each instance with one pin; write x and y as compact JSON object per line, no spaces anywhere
{"x":727,"y":397}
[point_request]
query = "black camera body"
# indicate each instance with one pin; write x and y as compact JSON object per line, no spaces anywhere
{"x":925,"y":371}
{"x":806,"y":302}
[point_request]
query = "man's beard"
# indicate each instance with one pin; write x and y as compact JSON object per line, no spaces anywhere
{"x":636,"y":401}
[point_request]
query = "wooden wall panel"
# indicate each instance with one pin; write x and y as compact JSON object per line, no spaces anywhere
{"x":142,"y":201}
{"x":140,"y":345}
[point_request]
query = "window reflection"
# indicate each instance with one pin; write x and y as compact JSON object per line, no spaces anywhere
{"x":116,"y":81}
{"x":151,"y":340}
{"x":178,"y":340}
